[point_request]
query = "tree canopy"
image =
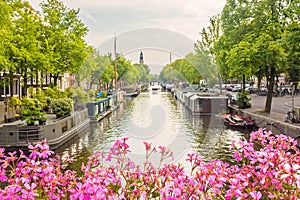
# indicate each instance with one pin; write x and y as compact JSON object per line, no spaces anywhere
{"x":258,"y":38}
{"x":35,"y":44}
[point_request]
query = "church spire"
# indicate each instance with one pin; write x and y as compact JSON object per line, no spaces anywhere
{"x":141,"y":58}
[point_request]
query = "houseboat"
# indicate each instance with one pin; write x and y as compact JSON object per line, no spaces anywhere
{"x":131,"y":91}
{"x":99,"y":109}
{"x":18,"y":135}
{"x":201,"y":104}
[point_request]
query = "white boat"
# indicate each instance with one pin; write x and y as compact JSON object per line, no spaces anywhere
{"x":155,"y":87}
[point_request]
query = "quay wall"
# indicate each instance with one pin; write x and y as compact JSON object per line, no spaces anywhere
{"x":274,"y":125}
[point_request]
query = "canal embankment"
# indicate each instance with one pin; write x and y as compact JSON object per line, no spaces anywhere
{"x":203,"y":104}
{"x":275,"y":120}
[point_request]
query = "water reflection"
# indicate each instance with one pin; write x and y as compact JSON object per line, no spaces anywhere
{"x":160,"y":120}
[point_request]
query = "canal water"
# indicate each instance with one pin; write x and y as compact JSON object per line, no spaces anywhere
{"x":160,"y":120}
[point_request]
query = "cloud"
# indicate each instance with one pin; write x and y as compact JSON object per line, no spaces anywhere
{"x":104,"y":18}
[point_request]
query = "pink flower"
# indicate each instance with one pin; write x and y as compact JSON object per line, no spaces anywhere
{"x":172,"y":198}
{"x":256,"y":195}
{"x":177,"y":191}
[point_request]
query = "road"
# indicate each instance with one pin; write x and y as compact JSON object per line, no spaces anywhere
{"x":278,"y":108}
{"x":278,"y":103}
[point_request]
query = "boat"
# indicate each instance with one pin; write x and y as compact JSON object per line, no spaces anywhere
{"x":18,"y":135}
{"x":155,"y":90}
{"x":235,"y":120}
{"x":131,"y":91}
{"x":155,"y":87}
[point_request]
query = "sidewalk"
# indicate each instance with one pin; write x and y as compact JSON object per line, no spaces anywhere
{"x":278,"y":109}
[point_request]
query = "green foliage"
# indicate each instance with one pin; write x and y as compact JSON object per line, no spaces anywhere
{"x":256,"y":41}
{"x":124,"y":66}
{"x":89,"y":67}
{"x":69,"y":92}
{"x":80,"y":96}
{"x":108,"y":74}
{"x":291,"y":41}
{"x":33,"y":48}
{"x":104,"y":94}
{"x":64,"y":34}
{"x":243,"y":101}
{"x":32,"y":111}
{"x":55,"y":93}
{"x":46,"y":96}
{"x":61,"y":107}
{"x":14,"y":102}
{"x":181,"y":69}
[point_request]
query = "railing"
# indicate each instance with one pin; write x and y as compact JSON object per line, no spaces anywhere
{"x":21,"y":135}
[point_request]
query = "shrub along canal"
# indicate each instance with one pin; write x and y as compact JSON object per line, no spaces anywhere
{"x":158,"y":119}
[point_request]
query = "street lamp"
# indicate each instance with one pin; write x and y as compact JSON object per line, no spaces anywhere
{"x":293,"y":92}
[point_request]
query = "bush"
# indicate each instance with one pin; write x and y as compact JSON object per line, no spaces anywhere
{"x":14,"y":103}
{"x":31,"y":110}
{"x":69,"y":92}
{"x":55,"y":93}
{"x":243,"y":101}
{"x":61,"y":107}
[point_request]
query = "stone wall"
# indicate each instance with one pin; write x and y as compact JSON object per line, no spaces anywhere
{"x":271,"y":124}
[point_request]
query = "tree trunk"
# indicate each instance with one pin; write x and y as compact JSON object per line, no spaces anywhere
{"x":55,"y":77}
{"x":220,"y":83}
{"x":24,"y":88}
{"x":36,"y":78}
{"x":270,"y":87}
{"x":11,"y":83}
{"x":244,"y":83}
{"x":258,"y":82}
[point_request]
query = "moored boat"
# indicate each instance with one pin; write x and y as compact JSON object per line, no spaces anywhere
{"x":57,"y":132}
{"x":235,"y":120}
{"x":155,"y":87}
{"x":131,"y":91}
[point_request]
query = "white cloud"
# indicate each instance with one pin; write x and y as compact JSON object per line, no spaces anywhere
{"x":104,"y":18}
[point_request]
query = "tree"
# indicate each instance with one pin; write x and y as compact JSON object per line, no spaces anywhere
{"x":202,"y":62}
{"x":260,"y":23}
{"x":292,"y":41}
{"x":24,"y":48}
{"x":103,"y":62}
{"x":123,"y":65}
{"x":89,"y":65}
{"x":108,"y":75}
{"x":182,"y":69}
{"x":240,"y":62}
{"x":205,"y":49}
{"x":64,"y":34}
{"x":6,"y":34}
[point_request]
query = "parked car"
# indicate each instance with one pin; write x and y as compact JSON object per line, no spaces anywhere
{"x":251,"y":90}
{"x":262,"y":92}
{"x":236,"y":89}
{"x":232,"y":98}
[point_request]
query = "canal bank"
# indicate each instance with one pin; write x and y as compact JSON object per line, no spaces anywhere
{"x":275,"y":121}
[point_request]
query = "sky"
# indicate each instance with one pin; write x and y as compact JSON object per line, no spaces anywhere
{"x":156,"y":27}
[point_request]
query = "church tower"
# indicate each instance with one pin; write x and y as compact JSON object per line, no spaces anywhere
{"x":141,"y":58}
